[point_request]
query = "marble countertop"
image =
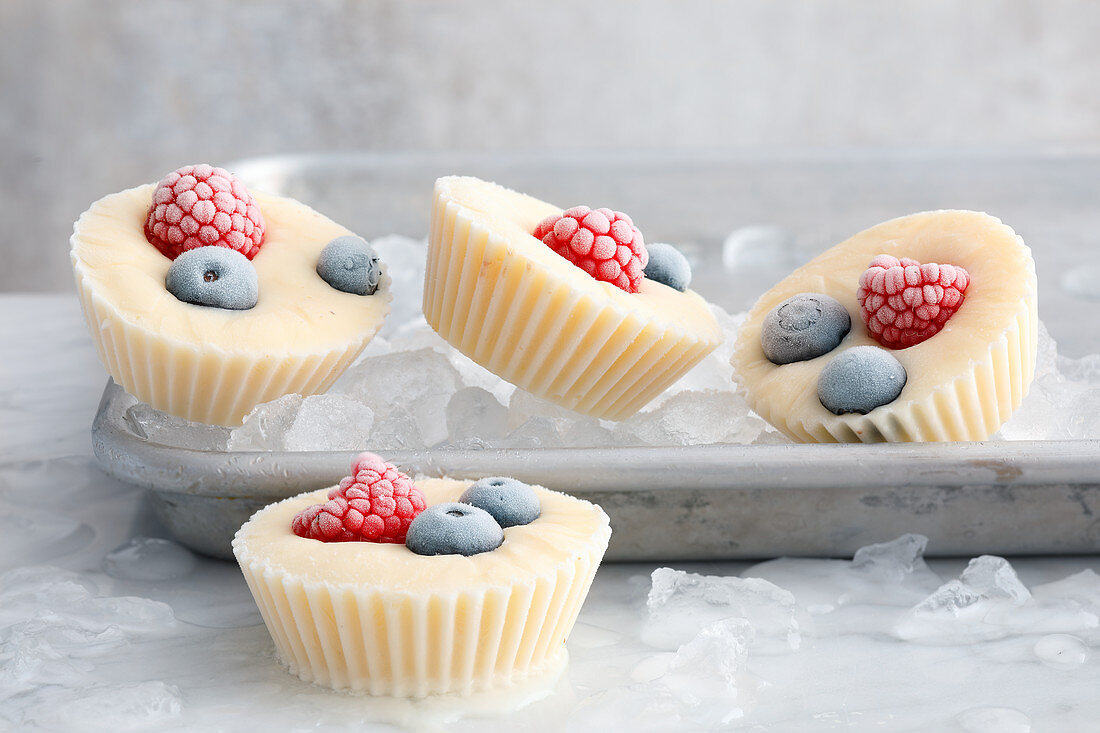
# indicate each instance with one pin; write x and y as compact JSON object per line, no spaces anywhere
{"x":105,"y":624}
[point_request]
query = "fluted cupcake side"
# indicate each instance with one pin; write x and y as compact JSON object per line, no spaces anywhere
{"x":532,"y":328}
{"x":411,"y":644}
{"x":203,"y":375}
{"x":990,"y":344}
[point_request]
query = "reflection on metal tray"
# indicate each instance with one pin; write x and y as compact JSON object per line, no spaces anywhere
{"x":715,"y":501}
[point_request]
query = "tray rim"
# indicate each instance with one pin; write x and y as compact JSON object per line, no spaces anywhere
{"x":805,"y":466}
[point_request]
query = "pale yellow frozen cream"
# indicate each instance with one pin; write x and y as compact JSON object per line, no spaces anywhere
{"x":380,"y":618}
{"x":210,"y":364}
{"x":525,"y":313}
{"x":962,"y":383}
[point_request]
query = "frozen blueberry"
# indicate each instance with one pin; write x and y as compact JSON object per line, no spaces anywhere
{"x":511,"y":502}
{"x":350,"y":265}
{"x":668,"y":265}
{"x":859,"y":380}
{"x":215,"y":276}
{"x":453,"y":529}
{"x":803,"y":327}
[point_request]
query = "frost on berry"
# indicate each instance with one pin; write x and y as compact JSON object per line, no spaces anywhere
{"x":199,"y":206}
{"x":376,"y":503}
{"x":904,"y":302}
{"x":603,"y":243}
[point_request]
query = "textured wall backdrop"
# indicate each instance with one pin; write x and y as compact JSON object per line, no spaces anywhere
{"x":99,"y":96}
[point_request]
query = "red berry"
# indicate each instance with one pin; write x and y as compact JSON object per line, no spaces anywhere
{"x":602,"y":242}
{"x":200,"y":205}
{"x":376,"y":503}
{"x":904,"y":302}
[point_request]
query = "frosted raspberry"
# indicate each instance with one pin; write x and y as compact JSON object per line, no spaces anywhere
{"x":376,"y":503}
{"x":602,"y":242}
{"x":904,"y":302}
{"x":200,"y":205}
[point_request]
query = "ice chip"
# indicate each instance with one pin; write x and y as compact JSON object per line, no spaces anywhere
{"x":1062,"y":651}
{"x":704,"y":674}
{"x":987,"y":601}
{"x":329,"y":422}
{"x":993,"y":577}
{"x":711,"y":659}
{"x":523,"y":406}
{"x":160,"y":427}
{"x":473,"y":412}
{"x":1064,"y":399}
{"x":695,"y":418}
{"x":892,"y":560}
{"x":952,"y":598}
{"x":537,"y":432}
{"x":680,"y":603}
{"x":588,"y":432}
{"x":266,"y":425}
{"x":398,"y":430}
{"x":150,"y":559}
{"x":417,"y":383}
{"x":1082,"y":587}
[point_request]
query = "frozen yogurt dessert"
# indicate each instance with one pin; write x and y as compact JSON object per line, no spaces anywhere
{"x":388,"y":587}
{"x":922,"y":328}
{"x":205,"y":299}
{"x":565,"y":305}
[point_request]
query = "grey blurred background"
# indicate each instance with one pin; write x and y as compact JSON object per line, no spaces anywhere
{"x":100,"y":96}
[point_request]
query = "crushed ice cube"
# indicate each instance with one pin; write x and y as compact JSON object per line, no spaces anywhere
{"x":892,"y":560}
{"x":680,"y":603}
{"x":1082,"y":587}
{"x":397,"y":430}
{"x":705,"y":673}
{"x":986,"y":581}
{"x":418,"y":389}
{"x":265,"y":427}
{"x":473,"y":412}
{"x":418,"y":383}
{"x":160,"y":427}
{"x":695,"y":418}
{"x":987,"y":601}
{"x":993,"y":577}
{"x":1064,"y":400}
{"x":702,"y":686}
{"x":537,"y":432}
{"x":149,"y":558}
{"x":851,"y":594}
{"x":329,"y":422}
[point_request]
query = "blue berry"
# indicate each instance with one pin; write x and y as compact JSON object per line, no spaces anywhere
{"x":215,"y":276}
{"x":350,"y":265}
{"x":804,"y":327}
{"x":668,"y":265}
{"x":859,"y":380}
{"x":511,"y":502}
{"x":453,"y":529}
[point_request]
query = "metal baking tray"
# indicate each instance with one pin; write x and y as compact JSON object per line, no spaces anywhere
{"x":718,"y":501}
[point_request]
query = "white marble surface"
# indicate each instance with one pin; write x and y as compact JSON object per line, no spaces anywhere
{"x":101,"y":629}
